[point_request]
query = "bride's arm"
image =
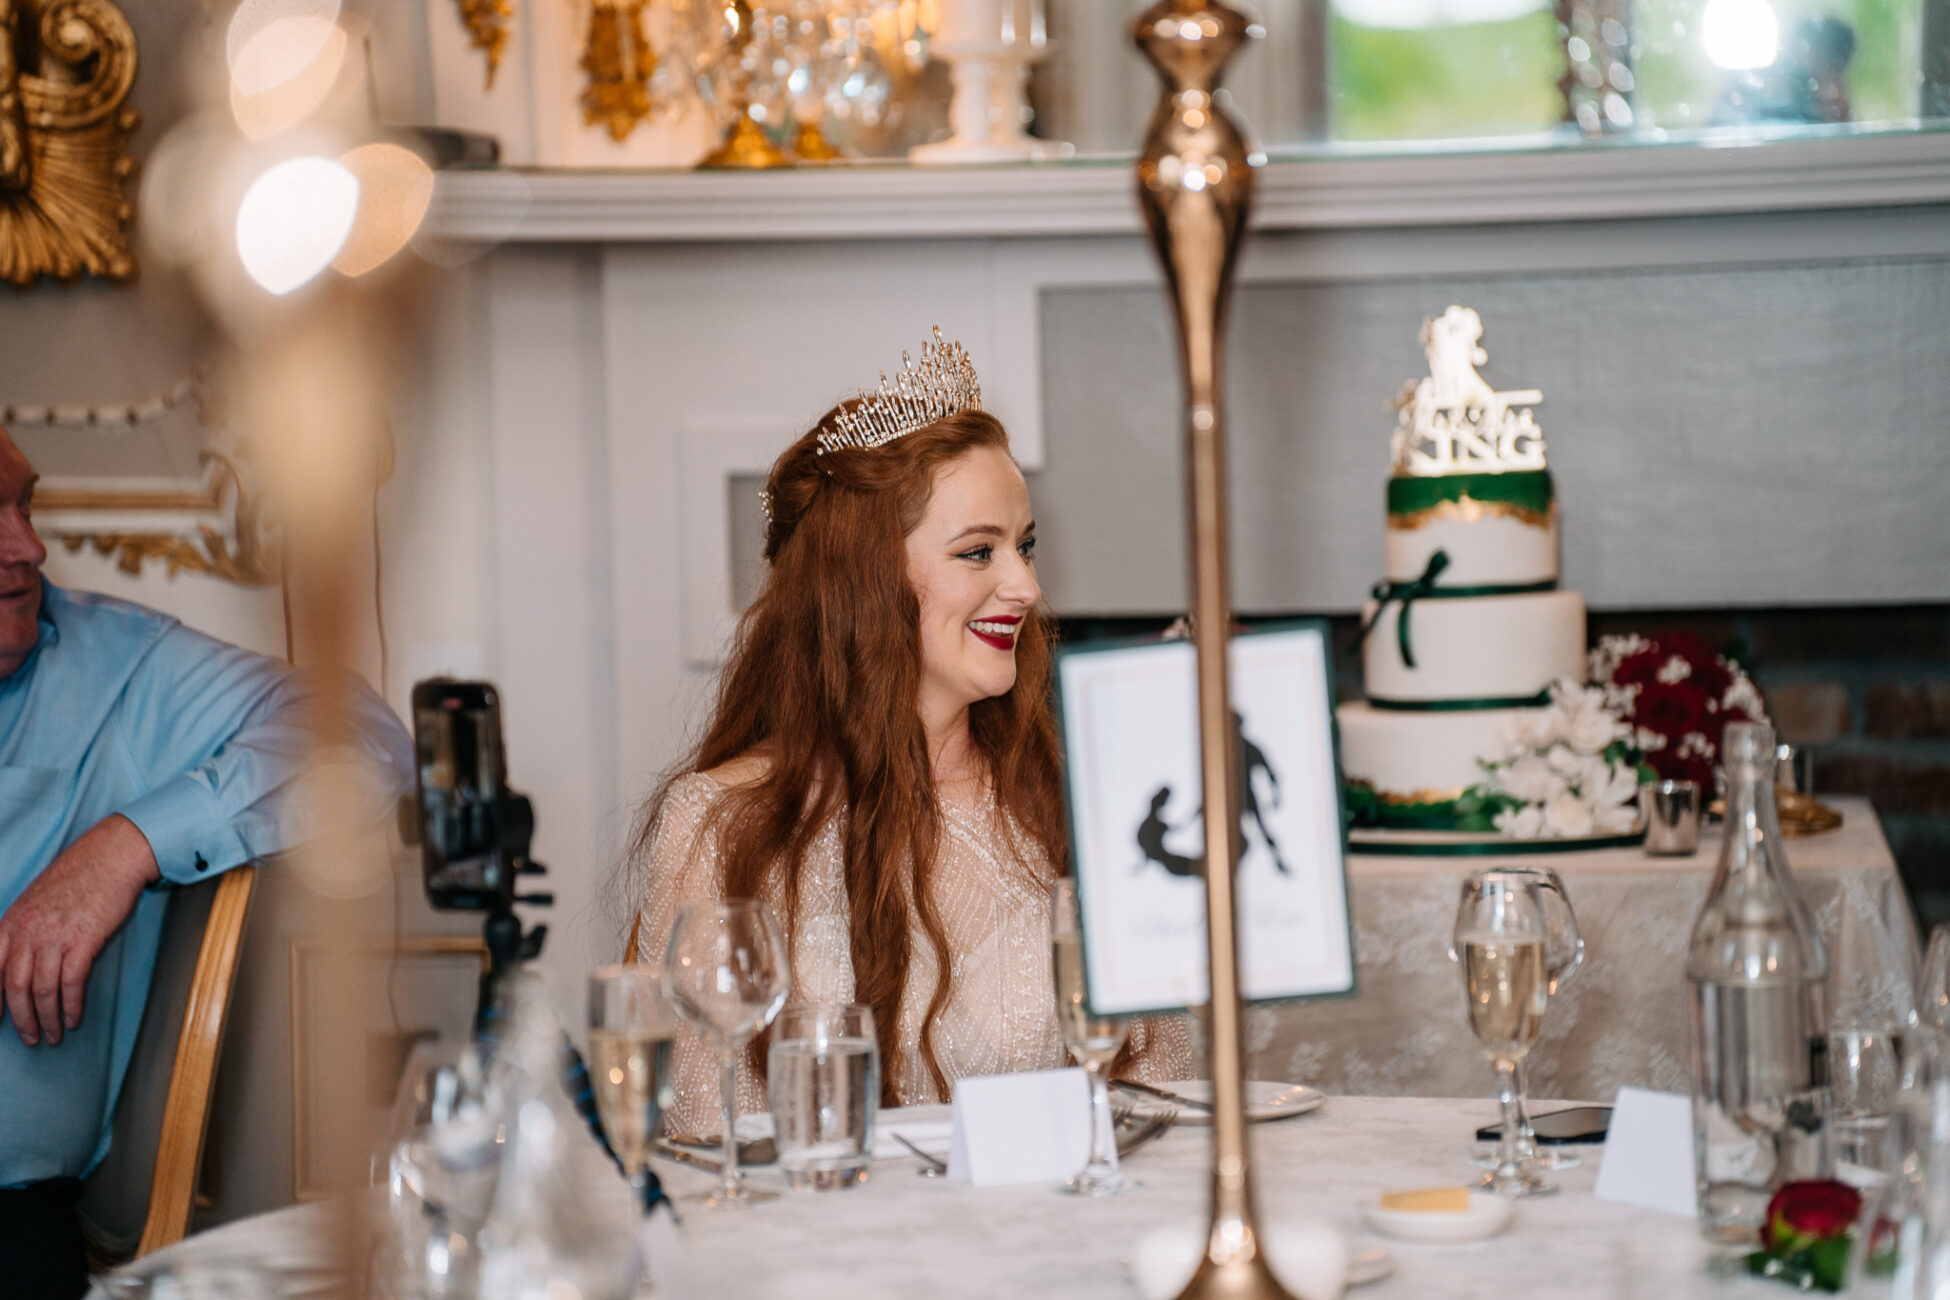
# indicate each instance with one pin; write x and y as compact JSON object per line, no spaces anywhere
{"x":1161,"y":1049}
{"x":682,"y":866}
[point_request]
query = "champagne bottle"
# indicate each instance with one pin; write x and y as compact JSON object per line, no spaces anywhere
{"x":1758,"y":976}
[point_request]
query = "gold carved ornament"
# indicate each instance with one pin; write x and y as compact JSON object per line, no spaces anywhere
{"x":619,"y":62}
{"x":251,"y":561}
{"x":487,"y":29}
{"x":64,"y":132}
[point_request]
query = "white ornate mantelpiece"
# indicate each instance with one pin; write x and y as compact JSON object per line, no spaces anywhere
{"x":1349,"y":188}
{"x":625,"y":351}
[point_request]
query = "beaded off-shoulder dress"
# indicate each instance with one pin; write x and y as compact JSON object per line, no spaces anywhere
{"x":992,"y":891}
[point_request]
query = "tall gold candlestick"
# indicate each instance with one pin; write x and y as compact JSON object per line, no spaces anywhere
{"x":1195,"y":185}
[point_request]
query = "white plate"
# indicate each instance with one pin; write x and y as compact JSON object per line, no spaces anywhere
{"x":1486,"y":1216}
{"x":1369,"y":1264}
{"x":1265,"y":1099}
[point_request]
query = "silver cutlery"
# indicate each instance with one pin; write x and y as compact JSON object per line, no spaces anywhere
{"x":931,"y":1166}
{"x":1153,"y":1127}
{"x":1160,"y":1094}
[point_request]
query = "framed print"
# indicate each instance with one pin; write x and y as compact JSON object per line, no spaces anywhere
{"x":1129,"y":716}
{"x":433,"y":981}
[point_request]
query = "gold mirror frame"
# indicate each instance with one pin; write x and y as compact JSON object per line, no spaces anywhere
{"x":65,"y":77}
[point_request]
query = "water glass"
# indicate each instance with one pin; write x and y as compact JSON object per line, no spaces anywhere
{"x":1863,"y":1076}
{"x":823,"y":1073}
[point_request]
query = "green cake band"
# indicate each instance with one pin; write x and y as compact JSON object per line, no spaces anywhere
{"x":1538,"y":700}
{"x":1370,"y":808}
{"x":1528,"y":491}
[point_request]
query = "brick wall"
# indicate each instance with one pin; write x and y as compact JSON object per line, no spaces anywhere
{"x":1864,"y":690}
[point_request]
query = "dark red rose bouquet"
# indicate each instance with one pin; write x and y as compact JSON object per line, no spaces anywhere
{"x":1677,"y":696}
{"x":1809,"y":1233}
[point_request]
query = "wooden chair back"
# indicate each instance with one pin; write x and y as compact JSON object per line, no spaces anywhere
{"x":140,"y":1197}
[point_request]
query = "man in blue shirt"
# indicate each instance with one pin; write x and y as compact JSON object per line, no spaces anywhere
{"x":134,"y":754}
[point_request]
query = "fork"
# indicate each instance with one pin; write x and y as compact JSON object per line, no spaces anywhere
{"x":931,"y":1166}
{"x":1154,"y":1127}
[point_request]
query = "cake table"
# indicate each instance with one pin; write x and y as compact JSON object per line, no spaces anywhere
{"x":1622,"y":1018}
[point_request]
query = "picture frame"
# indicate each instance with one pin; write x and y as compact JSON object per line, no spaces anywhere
{"x":1127,"y":713}
{"x":434,"y":977}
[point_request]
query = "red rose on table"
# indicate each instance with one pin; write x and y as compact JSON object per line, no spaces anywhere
{"x":1671,"y":708}
{"x":1810,"y":1211}
{"x":1640,"y":667}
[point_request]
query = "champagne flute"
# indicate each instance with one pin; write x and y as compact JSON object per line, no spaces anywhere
{"x":1093,"y":1040}
{"x":1501,"y":935}
{"x":1563,"y":954}
{"x":632,"y":1028}
{"x":725,"y":972}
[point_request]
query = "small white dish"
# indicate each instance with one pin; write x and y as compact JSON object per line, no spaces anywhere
{"x":1487,"y":1215}
{"x":1310,"y":1259}
{"x":1369,"y":1264}
{"x":1265,"y":1099}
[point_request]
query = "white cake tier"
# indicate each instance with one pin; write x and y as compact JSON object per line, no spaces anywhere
{"x":1421,"y":757}
{"x":1476,"y":647}
{"x":1491,"y":550}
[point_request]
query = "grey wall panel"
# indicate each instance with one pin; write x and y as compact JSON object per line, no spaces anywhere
{"x":1742,"y":436}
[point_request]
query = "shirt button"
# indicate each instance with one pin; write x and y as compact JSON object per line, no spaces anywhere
{"x":201,"y":865}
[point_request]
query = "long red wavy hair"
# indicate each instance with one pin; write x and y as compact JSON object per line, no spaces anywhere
{"x":823,"y":683}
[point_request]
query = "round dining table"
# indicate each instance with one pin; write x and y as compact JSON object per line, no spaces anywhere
{"x":900,"y":1235}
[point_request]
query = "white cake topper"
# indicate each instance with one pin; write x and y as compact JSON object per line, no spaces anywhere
{"x":1453,"y":422}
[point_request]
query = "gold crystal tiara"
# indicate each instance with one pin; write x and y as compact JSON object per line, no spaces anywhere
{"x":941,"y":385}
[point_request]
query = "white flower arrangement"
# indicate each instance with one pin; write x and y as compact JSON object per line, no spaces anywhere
{"x":1567,"y":771}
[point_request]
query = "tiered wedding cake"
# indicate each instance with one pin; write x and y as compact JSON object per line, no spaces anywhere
{"x":1469,"y":630}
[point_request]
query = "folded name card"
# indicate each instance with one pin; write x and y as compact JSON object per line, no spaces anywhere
{"x":1648,"y":1157}
{"x":1020,"y":1128}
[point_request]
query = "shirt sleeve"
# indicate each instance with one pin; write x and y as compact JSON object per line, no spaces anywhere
{"x":232,"y":728}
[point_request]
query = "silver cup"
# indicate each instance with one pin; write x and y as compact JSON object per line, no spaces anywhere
{"x":1672,"y":810}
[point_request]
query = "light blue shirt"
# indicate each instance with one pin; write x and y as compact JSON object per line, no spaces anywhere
{"x":120,"y":709}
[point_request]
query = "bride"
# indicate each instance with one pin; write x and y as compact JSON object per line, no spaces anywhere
{"x":882,"y":764}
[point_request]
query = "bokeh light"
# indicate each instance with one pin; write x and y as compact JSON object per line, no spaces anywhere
{"x":1740,"y":35}
{"x":395,"y":189}
{"x":293,"y":221}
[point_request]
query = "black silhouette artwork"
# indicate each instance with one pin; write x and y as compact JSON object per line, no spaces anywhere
{"x":1152,"y":830}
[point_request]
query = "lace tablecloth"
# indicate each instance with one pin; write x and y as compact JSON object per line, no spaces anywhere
{"x":899,"y":1237}
{"x":1622,"y":1018}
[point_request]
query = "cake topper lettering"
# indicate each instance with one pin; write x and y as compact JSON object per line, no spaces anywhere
{"x":1452,"y":421}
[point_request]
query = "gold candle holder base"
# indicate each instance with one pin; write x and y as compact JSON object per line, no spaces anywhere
{"x":746,"y":147}
{"x":810,"y":145}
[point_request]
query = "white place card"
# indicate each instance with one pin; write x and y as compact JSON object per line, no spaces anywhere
{"x":1020,"y":1128}
{"x":1648,"y":1159}
{"x":1129,"y":715}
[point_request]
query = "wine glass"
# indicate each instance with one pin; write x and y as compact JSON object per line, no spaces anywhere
{"x":1501,"y":937}
{"x":1093,"y":1040}
{"x":725,"y":972}
{"x":1563,"y":954}
{"x":632,"y":1029}
{"x":1933,"y":990}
